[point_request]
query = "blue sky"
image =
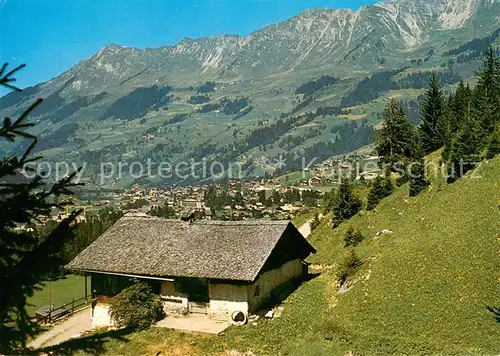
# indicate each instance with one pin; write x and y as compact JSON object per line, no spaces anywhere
{"x":51,"y":36}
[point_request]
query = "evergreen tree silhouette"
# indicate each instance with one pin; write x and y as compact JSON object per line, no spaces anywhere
{"x":433,"y":127}
{"x":397,"y":143}
{"x":25,"y":259}
{"x":346,"y":203}
{"x":488,"y":81}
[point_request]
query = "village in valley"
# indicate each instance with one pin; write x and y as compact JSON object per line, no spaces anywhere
{"x":276,"y":198}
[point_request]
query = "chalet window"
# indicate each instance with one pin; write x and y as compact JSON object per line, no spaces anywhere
{"x":195,"y":288}
{"x":109,"y":285}
{"x":155,"y":286}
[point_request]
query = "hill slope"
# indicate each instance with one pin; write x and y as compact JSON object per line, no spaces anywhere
{"x":128,"y":104}
{"x":430,"y":287}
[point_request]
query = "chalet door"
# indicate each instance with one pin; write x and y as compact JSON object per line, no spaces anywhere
{"x":197,"y":293}
{"x":198,"y":307}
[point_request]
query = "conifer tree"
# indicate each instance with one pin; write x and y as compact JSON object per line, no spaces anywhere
{"x":346,"y":203}
{"x":488,"y":81}
{"x":24,"y":258}
{"x":418,"y":179}
{"x":315,"y":222}
{"x":459,"y":106}
{"x":382,"y":187}
{"x":353,"y":237}
{"x":469,"y":144}
{"x":494,"y":144}
{"x":477,"y":137}
{"x":434,"y":121}
{"x":397,"y":142}
{"x":457,"y":109}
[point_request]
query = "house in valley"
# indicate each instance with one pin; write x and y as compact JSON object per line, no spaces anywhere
{"x":207,"y":266}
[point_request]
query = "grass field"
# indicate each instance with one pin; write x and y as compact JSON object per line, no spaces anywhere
{"x":430,"y":287}
{"x":62,"y":291}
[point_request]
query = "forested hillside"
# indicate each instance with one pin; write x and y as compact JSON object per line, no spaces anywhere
{"x":231,"y":99}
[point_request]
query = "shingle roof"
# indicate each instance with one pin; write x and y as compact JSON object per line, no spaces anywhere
{"x":227,"y":250}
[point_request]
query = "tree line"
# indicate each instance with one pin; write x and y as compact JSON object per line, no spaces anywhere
{"x":312,"y":86}
{"x":138,"y":102}
{"x":372,"y":87}
{"x":465,"y":125}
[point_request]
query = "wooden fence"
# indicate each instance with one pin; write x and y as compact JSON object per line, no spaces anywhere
{"x":52,"y":314}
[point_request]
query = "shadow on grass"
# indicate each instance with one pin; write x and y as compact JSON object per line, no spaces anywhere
{"x":282,"y":292}
{"x":495,"y":311}
{"x":92,"y":344}
{"x":310,"y":276}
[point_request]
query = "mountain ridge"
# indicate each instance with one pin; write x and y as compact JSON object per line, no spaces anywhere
{"x":311,"y":29}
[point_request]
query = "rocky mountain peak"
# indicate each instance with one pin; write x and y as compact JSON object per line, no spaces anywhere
{"x":315,"y":38}
{"x":447,"y":14}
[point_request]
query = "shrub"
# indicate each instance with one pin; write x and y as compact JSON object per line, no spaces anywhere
{"x":348,"y":266}
{"x":353,"y":237}
{"x":315,"y":222}
{"x":332,"y":331}
{"x":137,"y":307}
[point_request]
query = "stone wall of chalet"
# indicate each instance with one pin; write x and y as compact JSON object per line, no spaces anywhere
{"x":261,"y":290}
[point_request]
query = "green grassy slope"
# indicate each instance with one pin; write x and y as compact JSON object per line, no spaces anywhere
{"x":62,"y":291}
{"x":425,"y":288}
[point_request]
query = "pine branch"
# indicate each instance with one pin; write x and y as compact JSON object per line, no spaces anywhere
{"x":10,"y":130}
{"x":7,"y":78}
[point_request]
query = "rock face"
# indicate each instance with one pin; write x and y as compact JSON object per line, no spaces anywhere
{"x":311,"y":39}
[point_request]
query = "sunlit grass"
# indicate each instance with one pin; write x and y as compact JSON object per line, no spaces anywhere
{"x":59,"y":292}
{"x":424,"y":289}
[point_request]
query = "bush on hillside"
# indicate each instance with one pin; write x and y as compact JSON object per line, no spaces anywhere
{"x":353,"y":237}
{"x":348,"y":267}
{"x":315,"y":222}
{"x":137,"y":307}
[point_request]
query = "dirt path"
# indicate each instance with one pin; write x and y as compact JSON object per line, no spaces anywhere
{"x":305,"y":229}
{"x":67,"y":329}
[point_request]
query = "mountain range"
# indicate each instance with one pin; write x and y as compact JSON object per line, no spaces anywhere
{"x":313,"y":85}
